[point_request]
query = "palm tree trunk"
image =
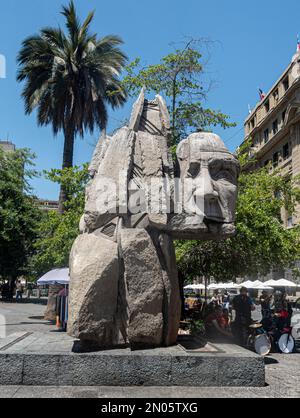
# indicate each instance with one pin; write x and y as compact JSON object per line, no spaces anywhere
{"x":173,"y":111}
{"x":67,"y":163}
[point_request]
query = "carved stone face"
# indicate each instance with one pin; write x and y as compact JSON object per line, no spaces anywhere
{"x":134,"y":180}
{"x":208,"y":176}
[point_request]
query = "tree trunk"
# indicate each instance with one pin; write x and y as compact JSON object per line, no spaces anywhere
{"x":206,"y":285}
{"x":12,"y":286}
{"x":67,"y":163}
{"x":181,"y":283}
{"x":173,"y":111}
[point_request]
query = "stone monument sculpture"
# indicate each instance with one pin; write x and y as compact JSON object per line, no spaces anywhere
{"x":124,"y":286}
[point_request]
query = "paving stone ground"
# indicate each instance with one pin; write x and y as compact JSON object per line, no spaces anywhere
{"x":21,"y":317}
{"x":282,"y":371}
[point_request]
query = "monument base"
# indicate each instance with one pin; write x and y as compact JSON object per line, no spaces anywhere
{"x":47,"y":360}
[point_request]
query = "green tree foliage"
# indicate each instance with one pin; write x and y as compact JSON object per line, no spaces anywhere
{"x":70,"y":79}
{"x":261,"y":242}
{"x":178,"y":77}
{"x":19,"y":214}
{"x":57,"y":232}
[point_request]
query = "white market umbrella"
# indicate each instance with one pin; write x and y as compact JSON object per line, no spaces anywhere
{"x":215,"y":286}
{"x":231,"y":285}
{"x":57,"y":276}
{"x":247,"y":283}
{"x":286,"y":283}
{"x":195,"y":287}
{"x":262,"y":287}
{"x":271,"y":282}
{"x":235,"y":286}
{"x":189,"y":287}
{"x":258,"y":283}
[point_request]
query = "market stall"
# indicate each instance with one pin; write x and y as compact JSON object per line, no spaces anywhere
{"x":61,"y":299}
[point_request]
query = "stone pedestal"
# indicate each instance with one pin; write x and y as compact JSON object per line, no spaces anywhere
{"x":46,"y":360}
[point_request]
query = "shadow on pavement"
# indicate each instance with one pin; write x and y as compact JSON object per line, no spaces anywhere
{"x":270,"y":360}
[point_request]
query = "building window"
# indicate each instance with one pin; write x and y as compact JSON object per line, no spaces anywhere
{"x":252,"y":122}
{"x":267,"y":106}
{"x":266,"y":135}
{"x":275,"y":159}
{"x":275,"y":127}
{"x":276,"y":96}
{"x":289,"y":222}
{"x":283,"y":115}
{"x":286,"y":84}
{"x":286,"y":151}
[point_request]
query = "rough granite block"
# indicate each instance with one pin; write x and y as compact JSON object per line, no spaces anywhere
{"x":40,"y":370}
{"x":170,"y":367}
{"x":11,"y":369}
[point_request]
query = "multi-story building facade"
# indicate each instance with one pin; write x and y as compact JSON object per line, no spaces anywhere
{"x":273,"y":128}
{"x":7,"y":146}
{"x":47,"y":205}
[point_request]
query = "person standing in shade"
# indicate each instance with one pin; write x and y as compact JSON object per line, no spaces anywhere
{"x":19,"y":291}
{"x":216,"y":299}
{"x":265,"y":303}
{"x":225,"y":300}
{"x":29,"y":291}
{"x":243,"y":306}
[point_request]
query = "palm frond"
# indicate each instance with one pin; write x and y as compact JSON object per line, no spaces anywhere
{"x":72,"y":22}
{"x":71,"y":78}
{"x":85,"y":26}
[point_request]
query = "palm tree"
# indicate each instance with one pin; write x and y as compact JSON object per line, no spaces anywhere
{"x":70,"y":79}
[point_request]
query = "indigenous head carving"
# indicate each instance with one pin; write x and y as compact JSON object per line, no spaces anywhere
{"x":208,"y":181}
{"x":134,"y":180}
{"x":123,"y":266}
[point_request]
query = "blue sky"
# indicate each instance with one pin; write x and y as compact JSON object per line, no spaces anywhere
{"x":255,"y":41}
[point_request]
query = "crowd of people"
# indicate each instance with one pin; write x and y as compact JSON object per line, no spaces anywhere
{"x":276,"y":312}
{"x":11,"y":291}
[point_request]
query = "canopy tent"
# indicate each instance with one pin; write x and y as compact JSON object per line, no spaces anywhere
{"x":57,"y":276}
{"x":247,"y":284}
{"x":271,"y":282}
{"x":258,"y":283}
{"x":286,"y":283}
{"x":262,"y":287}
{"x":195,"y":287}
{"x":229,"y":285}
{"x":233,"y":285}
{"x":280,"y":283}
{"x":214,"y":286}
